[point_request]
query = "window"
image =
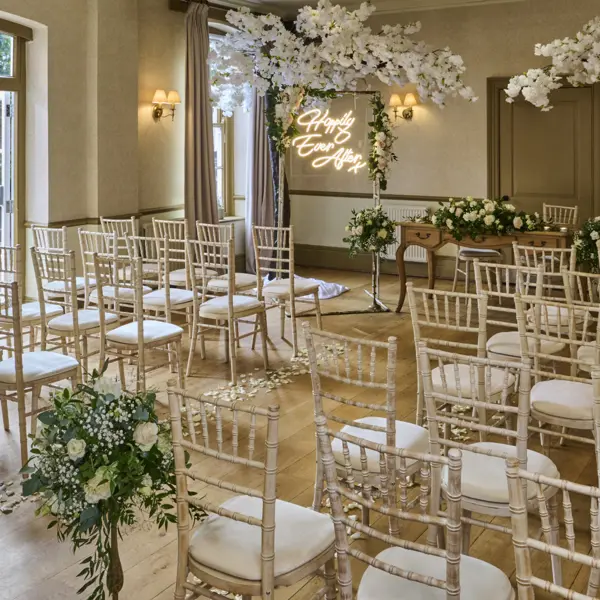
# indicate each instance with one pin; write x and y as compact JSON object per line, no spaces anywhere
{"x":6,"y":55}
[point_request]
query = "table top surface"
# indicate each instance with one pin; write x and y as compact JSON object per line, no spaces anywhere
{"x":516,"y":233}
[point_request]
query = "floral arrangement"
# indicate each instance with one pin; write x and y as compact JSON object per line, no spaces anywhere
{"x":576,"y":60}
{"x":585,"y":243}
{"x":371,"y":230}
{"x":328,"y":48}
{"x":382,"y":141}
{"x":475,"y":217}
{"x":101,"y":458}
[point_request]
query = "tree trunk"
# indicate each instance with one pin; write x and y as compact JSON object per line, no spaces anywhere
{"x":114,"y":579}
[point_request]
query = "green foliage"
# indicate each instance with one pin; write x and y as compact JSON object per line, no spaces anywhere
{"x":585,"y":243}
{"x":6,"y":55}
{"x":101,"y":459}
{"x":371,"y":230}
{"x":382,"y":140}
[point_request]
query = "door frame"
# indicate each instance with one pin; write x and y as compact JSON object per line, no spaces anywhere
{"x":495,"y":86}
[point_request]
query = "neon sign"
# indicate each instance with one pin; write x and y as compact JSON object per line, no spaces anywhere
{"x":324,"y":140}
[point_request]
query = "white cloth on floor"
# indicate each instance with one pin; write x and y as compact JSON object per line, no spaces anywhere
{"x":326,"y":290}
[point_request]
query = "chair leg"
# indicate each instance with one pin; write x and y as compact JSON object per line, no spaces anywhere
{"x":330,"y":573}
{"x":232,"y":350}
{"x":22,"y":428}
{"x":456,"y":265}
{"x":122,"y":372}
{"x":179,"y":362}
{"x":294,"y":327}
{"x":255,"y":331}
{"x":36,"y":390}
{"x":282,"y":320}
{"x":264,"y":337}
{"x":555,"y":539}
{"x":237,"y":335}
{"x":467,"y":274}
{"x":466,"y":533}
{"x":319,"y":484}
{"x":193,"y":341}
{"x":170,"y":355}
{"x":318,"y":311}
{"x":84,"y":343}
{"x":5,"y":419}
{"x":31,"y":338}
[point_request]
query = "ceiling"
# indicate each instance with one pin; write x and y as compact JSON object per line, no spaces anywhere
{"x":288,"y":8}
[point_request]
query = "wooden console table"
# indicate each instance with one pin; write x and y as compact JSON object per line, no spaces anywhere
{"x":431,"y":238}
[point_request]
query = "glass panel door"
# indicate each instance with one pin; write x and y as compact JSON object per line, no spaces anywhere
{"x":7,"y":167}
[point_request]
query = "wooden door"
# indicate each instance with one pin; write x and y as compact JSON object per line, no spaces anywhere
{"x":537,"y":156}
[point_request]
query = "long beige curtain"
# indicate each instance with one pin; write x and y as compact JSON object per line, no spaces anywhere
{"x":259,"y":203}
{"x":200,"y":179}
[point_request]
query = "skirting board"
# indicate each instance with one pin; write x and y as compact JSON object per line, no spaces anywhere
{"x":331,"y":257}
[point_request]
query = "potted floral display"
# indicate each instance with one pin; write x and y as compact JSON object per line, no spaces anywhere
{"x":585,"y":243}
{"x":371,"y":230}
{"x":102,"y":459}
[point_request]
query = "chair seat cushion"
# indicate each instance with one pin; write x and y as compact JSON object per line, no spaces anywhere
{"x":37,"y":365}
{"x":217,"y":308}
{"x":563,"y":399}
{"x":88,"y":318}
{"x":479,"y":253}
{"x":243,"y":281}
{"x":408,"y":435}
{"x":154,"y":331}
{"x":479,"y":580}
{"x":178,"y":276}
{"x":61,"y":286}
{"x":484,"y":477}
{"x":586,"y":355}
{"x":280,"y":288}
{"x":506,"y":345}
{"x":498,"y":381}
{"x":124,"y":293}
{"x":158,"y":298}
{"x":31,"y":311}
{"x":233,"y":547}
{"x":555,"y":314}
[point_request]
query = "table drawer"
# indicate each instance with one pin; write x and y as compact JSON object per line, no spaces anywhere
{"x":427,"y":237}
{"x":538,"y":241}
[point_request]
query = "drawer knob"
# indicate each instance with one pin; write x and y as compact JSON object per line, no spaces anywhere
{"x":423,"y":236}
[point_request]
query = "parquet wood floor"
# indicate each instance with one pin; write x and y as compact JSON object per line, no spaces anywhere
{"x":34,"y":566}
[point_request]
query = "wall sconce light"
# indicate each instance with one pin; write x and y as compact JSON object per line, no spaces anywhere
{"x":160,"y":99}
{"x":396,"y":103}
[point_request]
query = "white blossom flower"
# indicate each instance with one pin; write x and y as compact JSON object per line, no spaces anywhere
{"x":145,"y":435}
{"x":433,"y":219}
{"x":459,"y":211}
{"x":382,"y":233}
{"x":359,"y":230}
{"x":381,"y":137}
{"x":449,"y":224}
{"x":98,"y":487}
{"x":517,"y":222}
{"x":489,"y":219}
{"x":76,"y":448}
{"x":595,"y":235}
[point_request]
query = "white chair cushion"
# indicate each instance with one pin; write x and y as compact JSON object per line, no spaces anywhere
{"x":555,"y":313}
{"x":408,"y":435}
{"x":217,"y":308}
{"x":30,"y":311}
{"x":586,"y":355}
{"x":61,"y":286}
{"x":179,"y":275}
{"x":563,"y":399}
{"x":233,"y":547}
{"x":243,"y":281}
{"x":125,"y":293}
{"x":154,"y":331}
{"x":479,"y":253}
{"x":479,"y":580}
{"x":506,"y":345}
{"x":281,"y":287}
{"x":89,"y":318}
{"x":158,"y":298}
{"x":37,"y":365}
{"x":484,"y":477}
{"x":497,"y":380}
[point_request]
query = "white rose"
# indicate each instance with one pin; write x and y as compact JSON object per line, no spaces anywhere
{"x":145,"y":435}
{"x":381,"y":137}
{"x":509,"y":207}
{"x":489,"y":219}
{"x":594,"y":235}
{"x":449,"y":224}
{"x":76,"y":449}
{"x":359,"y":230}
{"x":517,"y":222}
{"x":382,"y":233}
{"x":433,"y":219}
{"x":452,"y":209}
{"x":596,"y":219}
{"x":98,"y":487}
{"x":482,"y":212}
{"x":459,"y":211}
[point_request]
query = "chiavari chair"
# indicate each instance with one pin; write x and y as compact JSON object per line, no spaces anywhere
{"x":567,"y":216}
{"x":134,"y":333}
{"x":484,"y":483}
{"x":404,"y":569}
{"x":122,"y":228}
{"x":225,"y":312}
{"x":469,"y":256}
{"x":355,"y":368}
{"x":90,"y":243}
{"x":252,"y":542}
{"x":26,"y":371}
{"x":573,"y":495}
{"x":274,"y":256}
{"x":560,"y":396}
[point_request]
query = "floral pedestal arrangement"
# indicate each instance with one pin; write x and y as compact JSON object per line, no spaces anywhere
{"x":101,"y":459}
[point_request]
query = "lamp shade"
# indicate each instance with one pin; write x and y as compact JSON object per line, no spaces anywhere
{"x":395,"y":101}
{"x":173,"y":97}
{"x":410,"y":100}
{"x":160,"y":97}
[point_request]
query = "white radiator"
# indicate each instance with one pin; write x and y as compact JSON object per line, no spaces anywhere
{"x":399,"y":211}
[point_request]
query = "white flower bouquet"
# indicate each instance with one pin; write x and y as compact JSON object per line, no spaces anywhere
{"x":371,"y":230}
{"x":585,"y":243}
{"x":473,"y":217}
{"x":101,"y":458}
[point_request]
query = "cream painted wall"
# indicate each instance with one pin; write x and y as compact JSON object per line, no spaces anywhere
{"x":443,"y":152}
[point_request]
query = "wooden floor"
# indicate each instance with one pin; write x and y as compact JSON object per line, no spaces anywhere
{"x":34,"y":566}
